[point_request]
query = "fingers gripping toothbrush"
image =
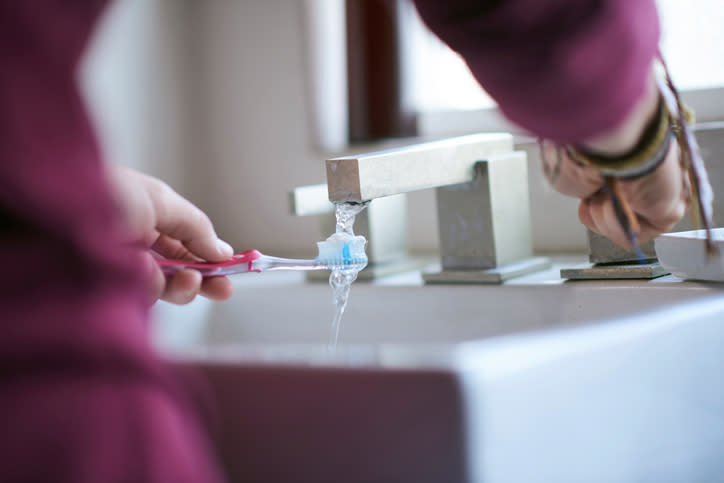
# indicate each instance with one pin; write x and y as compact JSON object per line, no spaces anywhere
{"x":339,"y":252}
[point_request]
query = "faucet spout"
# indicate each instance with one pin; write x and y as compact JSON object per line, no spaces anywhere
{"x":450,"y":161}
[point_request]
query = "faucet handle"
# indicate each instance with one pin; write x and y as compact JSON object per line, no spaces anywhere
{"x":310,"y":200}
{"x":603,"y":250}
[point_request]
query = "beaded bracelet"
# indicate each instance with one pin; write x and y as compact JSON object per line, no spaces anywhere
{"x":643,"y":159}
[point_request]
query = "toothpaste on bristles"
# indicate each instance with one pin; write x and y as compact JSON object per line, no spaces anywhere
{"x":342,"y":250}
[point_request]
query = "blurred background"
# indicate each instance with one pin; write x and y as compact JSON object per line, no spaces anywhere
{"x":235,"y":102}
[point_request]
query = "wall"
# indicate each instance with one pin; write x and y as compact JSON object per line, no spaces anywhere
{"x":254,"y":130}
{"x":711,"y":141}
{"x":135,"y":78}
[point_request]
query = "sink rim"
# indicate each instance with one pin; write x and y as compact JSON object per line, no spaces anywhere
{"x":495,"y":355}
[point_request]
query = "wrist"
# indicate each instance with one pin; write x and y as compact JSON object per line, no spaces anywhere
{"x":647,"y":154}
{"x":626,"y":136}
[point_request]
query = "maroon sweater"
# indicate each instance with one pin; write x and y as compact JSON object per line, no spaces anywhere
{"x":566,"y":70}
{"x":83,"y":397}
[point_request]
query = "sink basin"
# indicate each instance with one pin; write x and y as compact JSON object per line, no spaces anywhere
{"x":535,"y":380}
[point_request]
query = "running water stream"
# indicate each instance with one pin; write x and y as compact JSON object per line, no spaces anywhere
{"x":341,"y":278}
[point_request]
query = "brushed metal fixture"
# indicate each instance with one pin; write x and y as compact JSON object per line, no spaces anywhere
{"x":482,"y":199}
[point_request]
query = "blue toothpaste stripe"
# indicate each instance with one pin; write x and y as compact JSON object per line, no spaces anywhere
{"x":345,"y":252}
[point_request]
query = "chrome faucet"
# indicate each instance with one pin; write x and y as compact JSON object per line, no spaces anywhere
{"x":422,"y":166}
{"x":482,"y":200}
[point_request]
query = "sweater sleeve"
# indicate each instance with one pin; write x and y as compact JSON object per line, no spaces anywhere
{"x":566,"y":70}
{"x":83,"y":396}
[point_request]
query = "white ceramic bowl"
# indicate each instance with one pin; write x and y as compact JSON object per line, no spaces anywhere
{"x":684,"y":254}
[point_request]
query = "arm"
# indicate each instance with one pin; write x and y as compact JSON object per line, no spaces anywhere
{"x":579,"y":72}
{"x":566,"y":70}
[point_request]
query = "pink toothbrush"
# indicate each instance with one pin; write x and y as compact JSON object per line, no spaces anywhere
{"x":339,"y":251}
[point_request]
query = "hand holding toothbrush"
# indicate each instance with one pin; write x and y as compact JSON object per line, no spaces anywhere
{"x":166,"y":223}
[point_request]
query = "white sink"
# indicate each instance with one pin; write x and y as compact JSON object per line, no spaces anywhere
{"x":535,"y":380}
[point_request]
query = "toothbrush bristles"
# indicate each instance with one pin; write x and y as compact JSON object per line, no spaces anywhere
{"x":343,"y":251}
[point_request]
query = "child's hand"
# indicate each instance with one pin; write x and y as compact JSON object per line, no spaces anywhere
{"x":172,"y":227}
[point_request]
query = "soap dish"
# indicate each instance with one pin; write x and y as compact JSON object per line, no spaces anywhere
{"x":684,"y":254}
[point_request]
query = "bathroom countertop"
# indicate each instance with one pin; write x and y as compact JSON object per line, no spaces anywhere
{"x":547,"y":277}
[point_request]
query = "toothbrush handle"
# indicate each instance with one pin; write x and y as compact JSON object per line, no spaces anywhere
{"x":266,"y":263}
{"x":239,"y":263}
